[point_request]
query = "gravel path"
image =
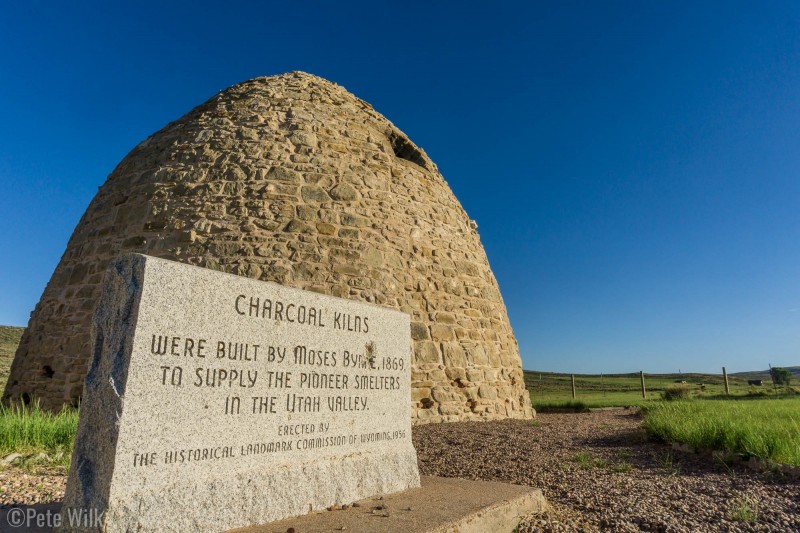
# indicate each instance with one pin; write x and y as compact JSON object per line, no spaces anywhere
{"x":23,"y":487}
{"x":598,"y":472}
{"x":596,"y":469}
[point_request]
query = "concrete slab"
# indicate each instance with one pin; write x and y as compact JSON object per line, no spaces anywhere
{"x":441,"y":505}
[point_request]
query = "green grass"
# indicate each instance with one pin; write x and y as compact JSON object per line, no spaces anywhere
{"x":767,"y":428}
{"x":553,"y":392}
{"x":586,"y":461}
{"x":622,"y":468}
{"x":744,"y":511}
{"x":668,"y":463}
{"x":553,"y":403}
{"x":30,"y":431}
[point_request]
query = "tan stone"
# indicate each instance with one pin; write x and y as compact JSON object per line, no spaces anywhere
{"x":418,"y":393}
{"x":312,"y":193}
{"x":298,"y":226}
{"x":358,"y":221}
{"x":426,"y":352}
{"x":477,"y":355}
{"x":475,"y":374}
{"x":326,"y":229}
{"x":419,"y":331}
{"x":451,"y":408}
{"x":444,"y":394}
{"x":456,"y":374}
{"x":442,"y":333}
{"x":437,"y":375}
{"x":453,"y":355}
{"x":344,"y":192}
{"x":487,"y":391}
{"x":445,"y":318}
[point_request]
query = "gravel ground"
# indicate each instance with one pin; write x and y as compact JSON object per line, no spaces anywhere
{"x":596,"y":469}
{"x":27,"y":487}
{"x":598,"y":472}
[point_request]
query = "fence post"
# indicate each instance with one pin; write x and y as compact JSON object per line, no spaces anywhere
{"x":725,"y":377}
{"x":573,"y":386}
{"x":644,"y":391}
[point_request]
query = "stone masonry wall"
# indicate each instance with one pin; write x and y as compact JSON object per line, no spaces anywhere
{"x":292,"y":179}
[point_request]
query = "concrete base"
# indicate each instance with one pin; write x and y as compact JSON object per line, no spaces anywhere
{"x":441,"y":505}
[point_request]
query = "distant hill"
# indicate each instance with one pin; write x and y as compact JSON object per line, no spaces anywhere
{"x":764,"y":374}
{"x":9,"y":339}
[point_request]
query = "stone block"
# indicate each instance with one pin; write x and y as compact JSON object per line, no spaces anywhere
{"x":487,"y":391}
{"x":298,"y":226}
{"x":418,"y":393}
{"x":451,"y":408}
{"x":349,"y":219}
{"x":441,"y":332}
{"x":426,"y":352}
{"x":456,"y":374}
{"x":453,"y":355}
{"x":344,"y":192}
{"x":326,"y":229}
{"x":207,"y":389}
{"x":419,"y":331}
{"x":445,"y":318}
{"x":475,"y":374}
{"x":477,"y":355}
{"x":312,"y":193}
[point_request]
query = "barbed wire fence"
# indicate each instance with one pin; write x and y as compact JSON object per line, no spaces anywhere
{"x":635,"y":386}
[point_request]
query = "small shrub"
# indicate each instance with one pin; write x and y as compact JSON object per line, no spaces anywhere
{"x":780,"y":376}
{"x":586,"y":461}
{"x":744,"y":511}
{"x":622,"y":468}
{"x":668,"y":463}
{"x":675,"y":392}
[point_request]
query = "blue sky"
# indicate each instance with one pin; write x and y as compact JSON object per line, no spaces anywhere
{"x":633,"y":166}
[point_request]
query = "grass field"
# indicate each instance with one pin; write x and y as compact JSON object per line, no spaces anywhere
{"x":551,"y":391}
{"x":763,"y":427}
{"x":9,"y":339}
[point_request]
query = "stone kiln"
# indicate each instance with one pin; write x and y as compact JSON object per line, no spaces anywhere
{"x":294,"y":180}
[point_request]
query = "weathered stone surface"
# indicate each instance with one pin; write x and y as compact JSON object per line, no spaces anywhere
{"x":289,"y":179}
{"x":440,"y":505}
{"x":344,"y":192}
{"x":216,"y":401}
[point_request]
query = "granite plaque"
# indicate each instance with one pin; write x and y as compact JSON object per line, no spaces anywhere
{"x":215,"y":401}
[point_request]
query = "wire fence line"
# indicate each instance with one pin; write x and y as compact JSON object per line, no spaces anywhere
{"x":633,"y":387}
